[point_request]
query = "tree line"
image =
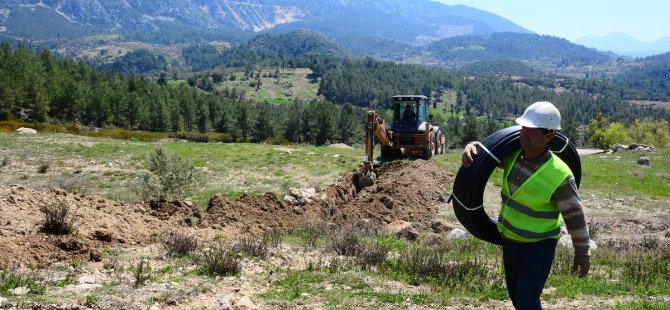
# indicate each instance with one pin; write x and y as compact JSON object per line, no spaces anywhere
{"x":39,"y":87}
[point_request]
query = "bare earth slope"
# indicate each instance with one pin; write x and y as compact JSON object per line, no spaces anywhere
{"x":408,"y":192}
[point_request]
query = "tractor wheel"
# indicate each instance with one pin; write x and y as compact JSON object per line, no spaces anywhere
{"x":438,"y":146}
{"x":440,"y":149}
{"x":429,"y":150}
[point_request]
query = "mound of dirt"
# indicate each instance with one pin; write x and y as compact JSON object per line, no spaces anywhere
{"x":403,"y":191}
{"x":407,"y":192}
{"x":100,"y":223}
{"x":257,"y":214}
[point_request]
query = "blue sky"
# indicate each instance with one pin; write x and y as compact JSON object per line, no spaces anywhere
{"x":645,"y":20}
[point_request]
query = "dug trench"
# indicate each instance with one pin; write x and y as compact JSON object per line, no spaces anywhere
{"x":404,"y":191}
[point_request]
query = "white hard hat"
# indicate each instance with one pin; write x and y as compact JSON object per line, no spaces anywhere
{"x":541,"y":114}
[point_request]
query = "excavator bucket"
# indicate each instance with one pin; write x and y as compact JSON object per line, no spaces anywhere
{"x":365,"y":179}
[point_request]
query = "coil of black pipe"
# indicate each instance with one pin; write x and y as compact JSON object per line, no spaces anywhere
{"x":468,"y":191}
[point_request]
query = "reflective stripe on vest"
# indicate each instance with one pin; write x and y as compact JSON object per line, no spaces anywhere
{"x":528,"y":215}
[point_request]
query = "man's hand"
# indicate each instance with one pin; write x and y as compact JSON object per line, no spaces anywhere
{"x":469,"y":154}
{"x":582,"y":267}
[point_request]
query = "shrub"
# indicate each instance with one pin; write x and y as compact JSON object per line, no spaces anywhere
{"x":219,"y":260}
{"x":219,"y":137}
{"x":112,"y":263}
{"x":371,"y":254}
{"x":10,"y":279}
{"x":146,"y":136}
{"x":190,"y":136}
{"x":43,"y":168}
{"x":470,"y":274}
{"x":647,"y":268}
{"x":649,"y":243}
{"x":73,"y":129}
{"x":47,"y":127}
{"x":178,"y":243}
{"x":174,"y":176}
{"x":120,"y":133}
{"x":273,"y":237}
{"x":255,"y":247}
{"x":312,"y":232}
{"x":278,"y":140}
{"x":347,"y":243}
{"x":60,"y":219}
{"x":141,"y":273}
{"x":10,"y":126}
{"x":8,"y":116}
{"x":91,"y":300}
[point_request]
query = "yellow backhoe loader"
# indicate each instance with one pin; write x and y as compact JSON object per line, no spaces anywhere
{"x":410,"y":133}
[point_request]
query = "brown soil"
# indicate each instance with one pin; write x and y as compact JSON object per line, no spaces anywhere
{"x":408,"y":192}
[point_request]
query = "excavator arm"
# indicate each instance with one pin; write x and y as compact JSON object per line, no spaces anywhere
{"x":376,"y":127}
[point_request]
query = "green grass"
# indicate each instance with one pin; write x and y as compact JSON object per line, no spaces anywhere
{"x":619,"y":174}
{"x":293,"y":84}
{"x":109,"y":167}
{"x":469,"y":270}
{"x":11,"y":279}
{"x":347,"y":289}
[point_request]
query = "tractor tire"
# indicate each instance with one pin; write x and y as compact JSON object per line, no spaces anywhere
{"x":430,"y":148}
{"x":440,"y":146}
{"x":428,"y":152}
{"x":468,"y":192}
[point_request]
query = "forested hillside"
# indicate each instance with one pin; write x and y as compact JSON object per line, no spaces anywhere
{"x":40,"y":87}
{"x":500,"y":67}
{"x":496,"y":51}
{"x":514,"y":46}
{"x":262,"y":50}
{"x":651,"y":81}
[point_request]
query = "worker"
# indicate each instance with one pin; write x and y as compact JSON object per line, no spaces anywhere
{"x":538,"y":189}
{"x":408,"y":115}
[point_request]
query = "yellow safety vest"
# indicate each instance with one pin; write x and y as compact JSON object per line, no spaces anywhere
{"x":528,"y":215}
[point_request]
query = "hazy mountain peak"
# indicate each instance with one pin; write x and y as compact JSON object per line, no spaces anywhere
{"x":625,"y":44}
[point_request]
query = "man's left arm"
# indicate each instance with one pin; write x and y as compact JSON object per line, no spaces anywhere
{"x":570,"y":204}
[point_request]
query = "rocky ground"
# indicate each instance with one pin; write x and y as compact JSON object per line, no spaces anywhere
{"x":94,"y":264}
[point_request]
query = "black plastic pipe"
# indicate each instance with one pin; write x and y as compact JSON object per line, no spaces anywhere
{"x":468,"y":192}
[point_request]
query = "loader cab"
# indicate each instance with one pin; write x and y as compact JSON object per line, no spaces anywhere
{"x":409,"y":111}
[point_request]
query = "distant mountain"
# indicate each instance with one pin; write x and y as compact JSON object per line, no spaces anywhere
{"x":499,"y":53}
{"x":624,"y":44}
{"x":293,"y":44}
{"x":514,"y":46}
{"x":413,"y":21}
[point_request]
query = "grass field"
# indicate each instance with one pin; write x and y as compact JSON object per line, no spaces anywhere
{"x":111,"y":167}
{"x":292,"y":84}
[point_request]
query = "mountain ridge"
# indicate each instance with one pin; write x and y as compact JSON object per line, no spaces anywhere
{"x":624,"y":44}
{"x":416,"y":21}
